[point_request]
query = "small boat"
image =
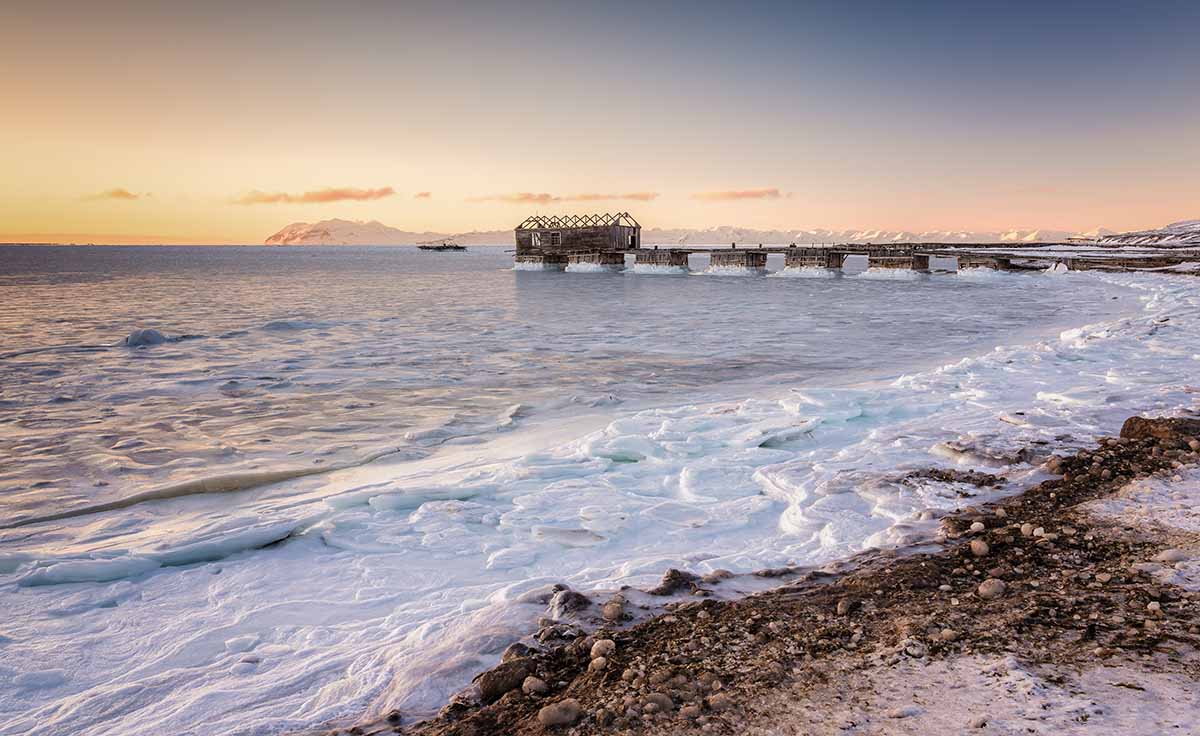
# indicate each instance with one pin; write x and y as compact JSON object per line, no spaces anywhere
{"x":441,"y":245}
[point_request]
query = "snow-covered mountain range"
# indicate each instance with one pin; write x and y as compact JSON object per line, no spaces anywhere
{"x":348,"y":232}
{"x":1184,"y":232}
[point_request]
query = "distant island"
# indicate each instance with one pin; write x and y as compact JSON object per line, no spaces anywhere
{"x":350,"y":232}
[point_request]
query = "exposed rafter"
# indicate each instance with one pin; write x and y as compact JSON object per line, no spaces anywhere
{"x":568,"y":222}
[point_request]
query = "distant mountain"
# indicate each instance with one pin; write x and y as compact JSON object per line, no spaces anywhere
{"x":1183,"y":233}
{"x":348,"y":232}
{"x":731,"y":234}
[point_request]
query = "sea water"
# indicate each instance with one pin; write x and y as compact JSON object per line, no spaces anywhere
{"x":323,"y":489}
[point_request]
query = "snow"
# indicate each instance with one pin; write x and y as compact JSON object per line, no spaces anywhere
{"x":316,"y":599}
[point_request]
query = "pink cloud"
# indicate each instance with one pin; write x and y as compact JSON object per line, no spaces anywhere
{"x":546,"y":198}
{"x":423,"y":195}
{"x":737,"y":194}
{"x":116,"y":193}
{"x":337,"y":194}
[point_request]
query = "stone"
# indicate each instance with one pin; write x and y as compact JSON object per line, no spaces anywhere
{"x":1103,"y":577}
{"x":562,"y":713}
{"x":716,"y":576}
{"x":500,"y":679}
{"x":661,"y":701}
{"x":991,"y":588}
{"x":914,"y":649}
{"x":690,"y":712}
{"x":674,"y":581}
{"x":614,"y":610}
{"x":948,"y":634}
{"x":979,"y":722}
{"x":1001,"y":513}
{"x":907,"y":711}
{"x":567,"y":601}
{"x":846,"y":605}
{"x":1141,"y":428}
{"x":598,"y":664}
{"x":515,"y":650}
{"x":1171,"y":556}
{"x":1027,"y":530}
{"x":979,"y":548}
{"x":719,"y":702}
{"x":603,"y":648}
{"x":534,"y":686}
{"x":1194,"y":445}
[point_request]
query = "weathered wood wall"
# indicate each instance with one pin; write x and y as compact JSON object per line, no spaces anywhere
{"x":580,"y":239}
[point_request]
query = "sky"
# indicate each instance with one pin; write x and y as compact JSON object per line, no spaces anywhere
{"x":221,"y":122}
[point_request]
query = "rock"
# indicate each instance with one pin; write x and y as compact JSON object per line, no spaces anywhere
{"x":719,"y":702}
{"x":567,"y":601}
{"x":915,"y":649}
{"x":1194,"y":445}
{"x":534,"y":686}
{"x":500,"y":679}
{"x":979,"y":548}
{"x":846,"y":605}
{"x":144,"y":337}
{"x":1001,"y":513}
{"x":515,"y":650}
{"x":991,"y":588}
{"x":603,"y":648}
{"x":716,"y":576}
{"x":1171,"y":556}
{"x":1103,"y":577}
{"x":614,"y":610}
{"x":691,"y":712}
{"x":948,"y":635}
{"x":673,"y":581}
{"x":1154,"y":607}
{"x":661,"y":701}
{"x":907,"y":711}
{"x":978,"y":722}
{"x":562,"y":713}
{"x":1027,"y":530}
{"x":394,"y":717}
{"x":978,"y":527}
{"x":598,"y":664}
{"x":1142,"y":428}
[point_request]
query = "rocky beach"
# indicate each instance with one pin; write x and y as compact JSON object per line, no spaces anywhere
{"x":1071,"y":607}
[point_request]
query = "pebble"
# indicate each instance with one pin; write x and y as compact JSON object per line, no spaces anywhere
{"x":720,"y":701}
{"x":603,"y":648}
{"x":1039,"y":532}
{"x":534,"y":686}
{"x":945,"y":588}
{"x":1001,"y":513}
{"x":1154,"y":607}
{"x":1194,"y":445}
{"x":1027,"y":530}
{"x":1103,"y":577}
{"x":613,"y":611}
{"x":907,"y":711}
{"x":845,"y":606}
{"x":978,"y":722}
{"x":690,"y":712}
{"x":978,"y":527}
{"x":979,"y":548}
{"x":661,"y":701}
{"x":1171,"y":556}
{"x":991,"y":588}
{"x":562,"y":713}
{"x":598,"y":664}
{"x":949,"y":635}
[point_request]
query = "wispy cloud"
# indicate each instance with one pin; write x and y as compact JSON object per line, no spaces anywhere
{"x":336,"y":194}
{"x":546,"y":198}
{"x":423,"y":195}
{"x":736,"y":194}
{"x":115,"y":193}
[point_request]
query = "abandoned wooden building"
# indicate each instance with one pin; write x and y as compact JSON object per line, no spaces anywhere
{"x":552,"y":242}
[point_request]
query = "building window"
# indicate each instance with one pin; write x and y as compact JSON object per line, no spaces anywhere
{"x":536,"y":240}
{"x":555,"y":239}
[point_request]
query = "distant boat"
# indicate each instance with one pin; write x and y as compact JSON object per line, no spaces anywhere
{"x":441,"y":245}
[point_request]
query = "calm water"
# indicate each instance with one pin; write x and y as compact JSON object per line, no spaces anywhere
{"x":326,"y":494}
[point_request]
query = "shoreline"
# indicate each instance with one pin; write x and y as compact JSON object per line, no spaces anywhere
{"x":1036,"y":579}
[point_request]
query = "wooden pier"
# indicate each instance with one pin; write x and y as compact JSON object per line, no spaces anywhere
{"x":556,"y":243}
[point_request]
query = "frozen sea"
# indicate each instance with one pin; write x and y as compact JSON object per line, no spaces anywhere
{"x":322,"y":495}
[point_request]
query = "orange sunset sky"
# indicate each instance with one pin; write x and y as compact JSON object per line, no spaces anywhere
{"x":138,"y":122}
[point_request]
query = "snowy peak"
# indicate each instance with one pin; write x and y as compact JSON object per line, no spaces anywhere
{"x":346,"y":232}
{"x":1184,"y":232}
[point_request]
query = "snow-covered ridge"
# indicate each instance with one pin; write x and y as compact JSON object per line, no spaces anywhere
{"x":1184,"y":232}
{"x":348,"y":232}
